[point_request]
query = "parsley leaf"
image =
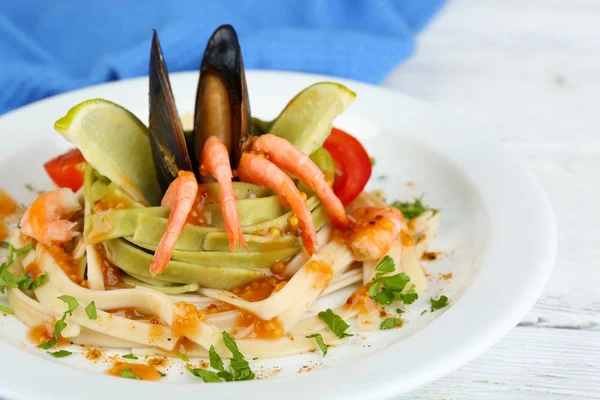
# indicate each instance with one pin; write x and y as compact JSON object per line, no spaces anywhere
{"x":71,"y":301}
{"x":238,"y":366}
{"x":207,"y":376}
{"x":337,"y":325}
{"x":423,"y":312}
{"x":182,"y":356}
{"x":60,"y":353}
{"x":386,"y":265}
{"x":162,"y":374}
{"x":215,"y":360}
{"x":390,"y":323}
{"x":413,"y":209}
{"x":90,"y":310}
{"x":127,"y":373}
{"x":410,"y":297}
{"x":225,"y":375}
{"x":320,"y":342}
{"x":5,"y":309}
{"x":373,"y":161}
{"x":400,"y":311}
{"x":387,"y":289}
{"x":61,"y":324}
{"x":130,"y":356}
{"x":23,"y":281}
{"x":439,"y":303}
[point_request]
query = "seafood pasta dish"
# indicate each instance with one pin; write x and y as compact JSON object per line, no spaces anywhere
{"x":216,"y":240}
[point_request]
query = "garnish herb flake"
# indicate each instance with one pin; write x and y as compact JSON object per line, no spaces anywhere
{"x":439,"y":303}
{"x":337,"y":325}
{"x":130,"y":356}
{"x":238,"y":366}
{"x":412,"y":209}
{"x":60,"y":353}
{"x":206,"y":375}
{"x":5,"y":309}
{"x":216,"y":362}
{"x":385,"y":289}
{"x":320,"y":342}
{"x":128,"y":373}
{"x":182,"y":356}
{"x":90,"y":310}
{"x":71,"y":301}
{"x":390,"y":323}
{"x":23,"y":281}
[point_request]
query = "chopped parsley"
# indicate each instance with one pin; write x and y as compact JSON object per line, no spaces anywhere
{"x":423,"y":312}
{"x":60,"y":353}
{"x":182,"y":356}
{"x":5,"y":309}
{"x":439,"y":303}
{"x":337,"y":325}
{"x":390,"y":323}
{"x":399,"y":311}
{"x":386,"y":289}
{"x":413,"y":209}
{"x":23,"y":281}
{"x":216,"y":362}
{"x":239,"y":368}
{"x":320,"y":342}
{"x":71,"y":301}
{"x":162,"y":374}
{"x":130,"y":356}
{"x":128,"y":373}
{"x":373,"y":161}
{"x":206,"y":375}
{"x":61,"y":324}
{"x":382,"y":177}
{"x":90,"y":310}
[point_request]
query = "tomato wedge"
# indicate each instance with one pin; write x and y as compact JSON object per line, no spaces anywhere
{"x":67,"y":170}
{"x":352,"y":165}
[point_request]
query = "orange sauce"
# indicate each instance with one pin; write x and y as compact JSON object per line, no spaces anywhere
{"x":321,"y":272}
{"x":33,"y":269}
{"x":145,"y":372}
{"x":65,"y":261}
{"x":406,"y":238}
{"x":113,"y":276}
{"x":45,"y":332}
{"x":183,"y":345}
{"x":187,"y":319}
{"x":112,"y":202}
{"x":258,"y":290}
{"x":7,"y":207}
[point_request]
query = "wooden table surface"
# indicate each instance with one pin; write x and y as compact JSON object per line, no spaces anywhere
{"x":531,"y":71}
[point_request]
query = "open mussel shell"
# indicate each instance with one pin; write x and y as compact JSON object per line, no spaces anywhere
{"x":222,"y":107}
{"x":167,"y":139}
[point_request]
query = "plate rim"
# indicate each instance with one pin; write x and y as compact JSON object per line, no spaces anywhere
{"x":383,"y":385}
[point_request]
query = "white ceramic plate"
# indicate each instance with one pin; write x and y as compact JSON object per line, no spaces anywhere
{"x":498,"y":237}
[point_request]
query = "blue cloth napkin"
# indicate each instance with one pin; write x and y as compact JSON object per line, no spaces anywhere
{"x":48,"y":47}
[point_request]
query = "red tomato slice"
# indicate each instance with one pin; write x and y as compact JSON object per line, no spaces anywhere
{"x":67,"y":170}
{"x":352,"y":165}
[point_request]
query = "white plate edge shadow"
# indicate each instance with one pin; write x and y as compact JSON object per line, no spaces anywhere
{"x":381,"y":384}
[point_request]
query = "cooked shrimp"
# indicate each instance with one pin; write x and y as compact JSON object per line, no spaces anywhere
{"x":259,"y":170}
{"x":47,"y":219}
{"x":374,"y":231}
{"x":291,"y":159}
{"x":180,"y":196}
{"x":216,"y":162}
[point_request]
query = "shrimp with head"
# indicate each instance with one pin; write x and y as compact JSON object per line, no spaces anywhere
{"x":47,"y":219}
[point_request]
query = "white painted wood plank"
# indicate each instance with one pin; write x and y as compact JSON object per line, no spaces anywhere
{"x":529,"y":71}
{"x":529,"y":363}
